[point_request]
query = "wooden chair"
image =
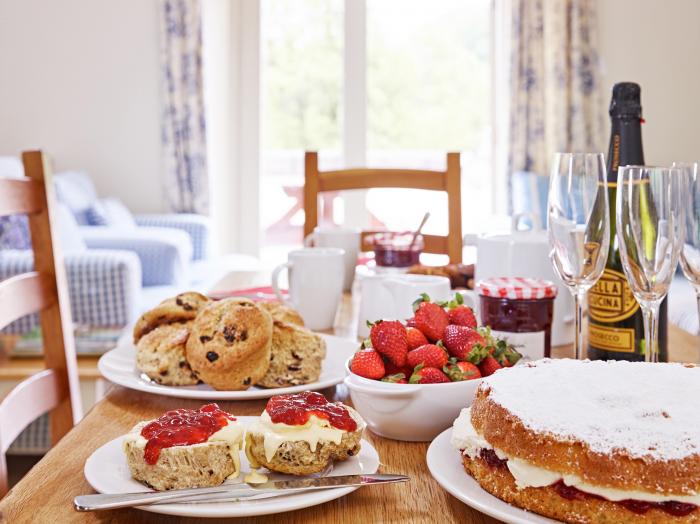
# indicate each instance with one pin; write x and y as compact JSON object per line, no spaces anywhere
{"x":316,"y":182}
{"x":44,"y":290}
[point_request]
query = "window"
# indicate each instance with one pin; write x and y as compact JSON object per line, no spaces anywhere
{"x":423,"y":90}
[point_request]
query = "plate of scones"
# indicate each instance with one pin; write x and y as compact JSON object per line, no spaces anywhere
{"x":191,"y":346}
{"x":296,"y":436}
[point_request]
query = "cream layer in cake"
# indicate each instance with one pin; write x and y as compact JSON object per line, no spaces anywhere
{"x":467,"y":440}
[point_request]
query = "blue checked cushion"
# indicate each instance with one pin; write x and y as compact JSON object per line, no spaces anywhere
{"x":164,"y":253}
{"x":103,"y":285}
{"x":14,"y":232}
{"x":198,"y":227}
{"x":110,"y":212}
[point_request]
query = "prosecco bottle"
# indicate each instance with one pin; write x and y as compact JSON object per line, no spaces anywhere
{"x":615,"y":323}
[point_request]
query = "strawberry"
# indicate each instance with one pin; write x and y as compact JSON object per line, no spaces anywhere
{"x":389,"y":338}
{"x":411,"y":322}
{"x":459,"y":314}
{"x":506,"y":355}
{"x":398,"y":378}
{"x":458,"y":371}
{"x":460,"y":340}
{"x":489,"y":366}
{"x":392,"y":369}
{"x":368,"y":363}
{"x":431,"y":319}
{"x":423,"y":375}
{"x":416,"y":339}
{"x":429,"y":355}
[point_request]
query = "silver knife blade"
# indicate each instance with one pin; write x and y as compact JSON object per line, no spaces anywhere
{"x":326,"y":482}
{"x":96,"y":502}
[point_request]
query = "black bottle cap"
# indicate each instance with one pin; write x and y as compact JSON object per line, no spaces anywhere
{"x":626,"y":100}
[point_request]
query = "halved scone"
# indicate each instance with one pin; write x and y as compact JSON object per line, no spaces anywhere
{"x":296,"y":356}
{"x":185,"y":449}
{"x":303,"y":433}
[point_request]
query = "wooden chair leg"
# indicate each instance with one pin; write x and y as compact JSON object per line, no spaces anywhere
{"x":3,"y":474}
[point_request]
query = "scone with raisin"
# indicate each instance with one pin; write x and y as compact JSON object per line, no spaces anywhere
{"x":303,"y":433}
{"x":282,"y":312}
{"x":230,"y":343}
{"x":160,"y":354}
{"x":180,"y":308}
{"x":185,"y":448}
{"x":296,"y":358}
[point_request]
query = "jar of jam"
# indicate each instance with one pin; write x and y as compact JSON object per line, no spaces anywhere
{"x":396,"y":250}
{"x":520,"y":311}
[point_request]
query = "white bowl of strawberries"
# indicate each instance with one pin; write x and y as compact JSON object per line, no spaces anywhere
{"x":410,"y":380}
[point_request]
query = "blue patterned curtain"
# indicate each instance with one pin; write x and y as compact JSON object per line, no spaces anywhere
{"x":555,"y":102}
{"x":183,"y":126}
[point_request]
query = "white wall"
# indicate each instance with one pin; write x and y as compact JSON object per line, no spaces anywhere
{"x":657,"y":44}
{"x":80,"y":79}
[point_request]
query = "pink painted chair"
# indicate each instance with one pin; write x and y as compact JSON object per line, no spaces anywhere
{"x":56,"y":389}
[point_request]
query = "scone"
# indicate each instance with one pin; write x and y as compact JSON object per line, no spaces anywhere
{"x":160,"y":354}
{"x":180,"y":308}
{"x":279,"y":311}
{"x":296,"y":358}
{"x":230,"y":343}
{"x":185,"y":448}
{"x":303,"y":433}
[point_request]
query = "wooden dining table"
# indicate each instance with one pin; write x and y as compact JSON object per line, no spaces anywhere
{"x":46,"y":493}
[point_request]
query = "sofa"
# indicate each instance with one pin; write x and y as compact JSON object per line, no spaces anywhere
{"x":118,"y":264}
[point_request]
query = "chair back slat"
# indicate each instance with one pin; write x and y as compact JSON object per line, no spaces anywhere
{"x":375,"y":178}
{"x":19,"y":197}
{"x":41,"y":391}
{"x":24,"y":294}
{"x":449,"y":181}
{"x":57,"y":389}
{"x":435,"y":244}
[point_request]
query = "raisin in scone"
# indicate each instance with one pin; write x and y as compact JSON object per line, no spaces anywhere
{"x":180,"y":308}
{"x":303,"y":433}
{"x":297,"y":355}
{"x":230,"y":343}
{"x":160,"y":354}
{"x":281,"y":312}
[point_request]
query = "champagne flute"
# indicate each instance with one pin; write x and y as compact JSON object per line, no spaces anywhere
{"x":578,"y":226}
{"x":650,"y":231}
{"x":690,"y":249}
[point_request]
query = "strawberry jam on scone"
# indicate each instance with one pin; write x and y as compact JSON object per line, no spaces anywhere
{"x":303,"y":433}
{"x":185,"y":448}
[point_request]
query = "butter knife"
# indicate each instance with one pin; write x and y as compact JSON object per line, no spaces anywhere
{"x":97,"y":502}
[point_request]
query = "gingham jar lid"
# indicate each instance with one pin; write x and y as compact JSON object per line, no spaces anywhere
{"x":517,"y":288}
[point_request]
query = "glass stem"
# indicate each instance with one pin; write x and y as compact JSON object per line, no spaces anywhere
{"x":579,"y":297}
{"x":651,"y":334}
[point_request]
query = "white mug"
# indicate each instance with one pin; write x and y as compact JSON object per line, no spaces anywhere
{"x":391,"y":296}
{"x":315,"y":284}
{"x":347,"y":239}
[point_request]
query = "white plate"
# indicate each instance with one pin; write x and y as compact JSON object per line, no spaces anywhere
{"x":107,"y":472}
{"x":446,"y":467}
{"x":119,"y":366}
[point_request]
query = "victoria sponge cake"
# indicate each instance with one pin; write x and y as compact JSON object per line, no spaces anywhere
{"x":581,"y":441}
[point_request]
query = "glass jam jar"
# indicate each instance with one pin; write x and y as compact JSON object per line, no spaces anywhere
{"x":396,"y":249}
{"x":520,"y":311}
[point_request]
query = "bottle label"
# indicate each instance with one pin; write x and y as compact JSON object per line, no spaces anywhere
{"x":611,"y":299}
{"x":529,"y":344}
{"x":611,"y":339}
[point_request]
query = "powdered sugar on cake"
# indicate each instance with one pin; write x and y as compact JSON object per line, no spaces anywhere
{"x":642,"y":410}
